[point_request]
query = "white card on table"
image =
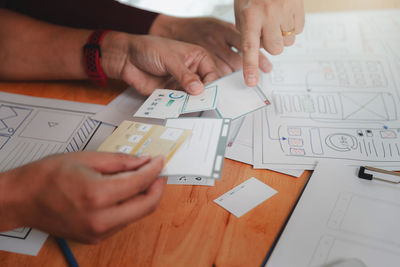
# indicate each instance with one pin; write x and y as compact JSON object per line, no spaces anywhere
{"x":245,"y":196}
{"x":164,"y":103}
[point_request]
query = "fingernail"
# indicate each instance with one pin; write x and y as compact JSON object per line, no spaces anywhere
{"x":195,"y":87}
{"x":266,"y":67}
{"x":251,"y":79}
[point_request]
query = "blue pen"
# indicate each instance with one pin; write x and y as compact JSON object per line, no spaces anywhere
{"x":67,"y":252}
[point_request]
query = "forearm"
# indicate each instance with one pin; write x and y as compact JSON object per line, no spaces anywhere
{"x":33,"y":50}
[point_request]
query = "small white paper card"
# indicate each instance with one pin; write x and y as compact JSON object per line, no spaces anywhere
{"x":245,"y":196}
{"x":204,"y":101}
{"x":164,"y":103}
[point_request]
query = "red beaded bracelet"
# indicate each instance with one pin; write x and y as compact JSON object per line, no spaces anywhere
{"x":92,"y":55}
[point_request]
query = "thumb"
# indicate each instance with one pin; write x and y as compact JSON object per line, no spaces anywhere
{"x":189,"y":80}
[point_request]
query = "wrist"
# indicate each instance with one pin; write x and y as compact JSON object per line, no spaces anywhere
{"x":114,"y":50}
{"x":11,"y":200}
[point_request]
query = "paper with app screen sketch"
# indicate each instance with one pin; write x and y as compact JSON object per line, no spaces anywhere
{"x":164,"y":103}
{"x":138,"y":138}
{"x":202,"y":154}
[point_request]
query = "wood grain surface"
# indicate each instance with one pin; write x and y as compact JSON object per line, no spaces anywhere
{"x":188,"y":228}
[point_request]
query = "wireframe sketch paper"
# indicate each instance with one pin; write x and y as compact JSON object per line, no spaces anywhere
{"x":165,"y":103}
{"x":32,"y":128}
{"x":202,"y":154}
{"x":345,"y":109}
{"x":341,"y":216}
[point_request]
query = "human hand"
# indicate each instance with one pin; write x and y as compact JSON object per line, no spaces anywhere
{"x":85,"y":196}
{"x":271,"y":23}
{"x":150,"y":62}
{"x":216,"y":36}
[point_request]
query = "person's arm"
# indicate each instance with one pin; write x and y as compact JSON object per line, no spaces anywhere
{"x":85,"y":196}
{"x":272,"y":24}
{"x":31,"y":49}
{"x":88,"y":14}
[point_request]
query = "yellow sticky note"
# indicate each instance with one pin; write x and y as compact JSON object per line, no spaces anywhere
{"x":139,"y":138}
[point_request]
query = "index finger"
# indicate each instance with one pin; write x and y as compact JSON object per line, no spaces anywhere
{"x":250,"y":29}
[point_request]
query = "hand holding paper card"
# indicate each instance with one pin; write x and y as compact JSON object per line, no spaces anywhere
{"x":163,"y":103}
{"x":138,"y":138}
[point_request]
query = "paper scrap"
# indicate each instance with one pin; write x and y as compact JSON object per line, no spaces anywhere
{"x":245,"y":196}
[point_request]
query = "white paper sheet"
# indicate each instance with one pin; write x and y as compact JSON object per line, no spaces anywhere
{"x":236,"y":99}
{"x":341,"y":216}
{"x":32,"y":128}
{"x":245,"y":196}
{"x":202,"y":154}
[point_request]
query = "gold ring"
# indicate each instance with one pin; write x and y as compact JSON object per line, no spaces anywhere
{"x":288,"y":33}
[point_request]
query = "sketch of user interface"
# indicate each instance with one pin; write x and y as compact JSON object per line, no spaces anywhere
{"x":30,"y":132}
{"x":351,"y":90}
{"x":362,"y":144}
{"x":334,"y":106}
{"x":354,"y":218}
{"x":301,"y":146}
{"x":313,"y":73}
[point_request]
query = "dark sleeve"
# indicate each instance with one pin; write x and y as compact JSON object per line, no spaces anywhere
{"x":87,"y":14}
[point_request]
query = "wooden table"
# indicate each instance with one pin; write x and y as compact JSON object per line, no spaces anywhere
{"x":188,"y":228}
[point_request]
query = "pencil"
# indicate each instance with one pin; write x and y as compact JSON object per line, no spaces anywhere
{"x":69,"y":257}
